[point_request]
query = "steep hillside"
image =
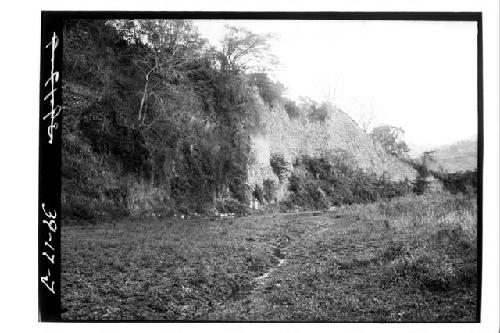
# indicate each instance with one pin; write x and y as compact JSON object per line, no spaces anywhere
{"x":97,"y":185}
{"x":197,"y":134}
{"x":173,"y":140}
{"x":292,"y":138}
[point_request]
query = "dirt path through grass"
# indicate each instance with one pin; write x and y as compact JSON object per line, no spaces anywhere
{"x":251,"y":301}
{"x":350,"y":265}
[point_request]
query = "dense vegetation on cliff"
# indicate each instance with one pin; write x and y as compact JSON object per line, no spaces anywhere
{"x":167,"y":139}
{"x":154,"y":117}
{"x":159,"y":121}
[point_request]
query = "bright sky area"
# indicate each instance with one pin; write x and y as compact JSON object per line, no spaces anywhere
{"x":418,"y":75}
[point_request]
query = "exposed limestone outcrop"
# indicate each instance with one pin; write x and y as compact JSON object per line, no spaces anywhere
{"x":292,"y":138}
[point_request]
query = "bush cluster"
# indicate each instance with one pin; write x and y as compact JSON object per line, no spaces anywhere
{"x":279,"y":165}
{"x":319,"y":183}
{"x":459,"y":182}
{"x":420,"y":185}
{"x":454,"y":182}
{"x":270,"y":92}
{"x":270,"y":189}
{"x":230,"y":205}
{"x":292,"y":109}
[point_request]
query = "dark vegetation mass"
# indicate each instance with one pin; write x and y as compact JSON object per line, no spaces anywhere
{"x":150,"y":105}
{"x":319,"y":183}
{"x":157,"y":121}
{"x":465,"y":182}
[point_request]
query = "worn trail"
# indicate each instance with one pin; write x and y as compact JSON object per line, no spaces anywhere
{"x":247,"y":299}
{"x":330,"y":266}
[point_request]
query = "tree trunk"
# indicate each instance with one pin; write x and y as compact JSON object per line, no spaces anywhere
{"x":143,"y":99}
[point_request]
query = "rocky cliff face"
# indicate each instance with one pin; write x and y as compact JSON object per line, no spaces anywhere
{"x":260,"y":169}
{"x":292,"y":138}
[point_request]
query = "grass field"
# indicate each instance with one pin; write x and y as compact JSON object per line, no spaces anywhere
{"x":411,"y":259}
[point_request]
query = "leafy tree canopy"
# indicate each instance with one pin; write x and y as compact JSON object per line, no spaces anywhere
{"x":242,"y":50}
{"x":391,"y":139}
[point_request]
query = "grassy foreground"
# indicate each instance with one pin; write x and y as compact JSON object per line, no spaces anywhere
{"x":411,"y":259}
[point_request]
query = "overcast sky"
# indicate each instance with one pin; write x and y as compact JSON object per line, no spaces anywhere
{"x":421,"y":76}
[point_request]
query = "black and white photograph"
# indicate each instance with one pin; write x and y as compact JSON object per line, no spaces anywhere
{"x":264,"y":167}
{"x":269,"y":170}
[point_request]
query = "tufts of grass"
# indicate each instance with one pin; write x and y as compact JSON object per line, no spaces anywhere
{"x":409,"y":259}
{"x":422,"y":268}
{"x":441,"y":251}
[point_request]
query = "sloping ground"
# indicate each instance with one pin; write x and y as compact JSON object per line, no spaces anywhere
{"x":460,"y":156}
{"x":413,"y":259}
{"x":294,"y":137}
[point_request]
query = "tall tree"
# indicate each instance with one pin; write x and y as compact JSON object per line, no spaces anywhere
{"x":243,"y":49}
{"x":171,"y":48}
{"x":391,"y":139}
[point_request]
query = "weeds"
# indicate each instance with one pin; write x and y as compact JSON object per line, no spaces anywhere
{"x":230,"y":205}
{"x":344,"y":265}
{"x":442,"y":250}
{"x":334,"y":180}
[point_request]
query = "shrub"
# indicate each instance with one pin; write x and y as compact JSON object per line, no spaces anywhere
{"x":125,"y":143}
{"x":306,"y":193}
{"x":270,"y":189}
{"x":459,"y":182}
{"x":258,"y":193}
{"x":320,"y":113}
{"x":334,"y":180}
{"x":292,"y":109}
{"x":231,"y":205}
{"x":270,"y":91}
{"x":421,"y":185}
{"x":391,"y":139}
{"x":240,"y":191}
{"x":279,"y":165}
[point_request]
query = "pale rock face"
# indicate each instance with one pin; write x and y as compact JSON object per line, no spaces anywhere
{"x":260,"y":168}
{"x":291,"y":138}
{"x":260,"y":149}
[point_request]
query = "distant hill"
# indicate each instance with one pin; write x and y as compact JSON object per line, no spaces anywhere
{"x":459,"y":156}
{"x":416,"y":150}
